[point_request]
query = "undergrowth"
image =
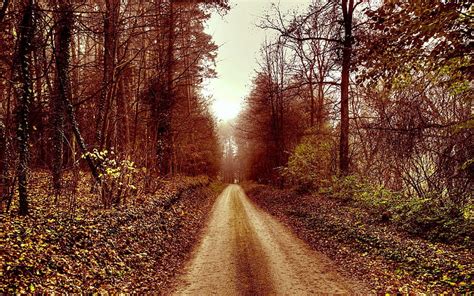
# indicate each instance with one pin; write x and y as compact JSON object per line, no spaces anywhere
{"x":432,"y":216}
{"x":363,"y":232}
{"x":135,"y":247}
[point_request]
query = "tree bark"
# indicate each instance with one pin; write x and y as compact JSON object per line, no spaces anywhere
{"x":62,"y":88}
{"x":25,"y":47}
{"x":110,"y":55}
{"x":3,"y":166}
{"x":347,"y":11}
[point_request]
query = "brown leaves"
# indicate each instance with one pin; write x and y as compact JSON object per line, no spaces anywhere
{"x":377,"y":253}
{"x":134,"y":248}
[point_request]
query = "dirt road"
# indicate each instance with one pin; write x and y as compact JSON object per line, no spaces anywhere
{"x":245,"y":251}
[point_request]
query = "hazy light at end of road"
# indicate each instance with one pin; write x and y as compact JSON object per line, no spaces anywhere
{"x":239,"y":42}
{"x":226,"y":109}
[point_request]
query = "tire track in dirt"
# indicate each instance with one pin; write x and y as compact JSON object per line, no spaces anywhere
{"x":245,"y":251}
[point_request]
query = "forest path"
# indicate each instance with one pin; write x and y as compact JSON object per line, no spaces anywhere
{"x":245,"y":251}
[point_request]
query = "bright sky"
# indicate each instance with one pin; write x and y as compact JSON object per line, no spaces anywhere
{"x":239,"y":43}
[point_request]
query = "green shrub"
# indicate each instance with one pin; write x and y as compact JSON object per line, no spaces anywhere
{"x":345,"y":188}
{"x":433,"y":217}
{"x":309,"y":165}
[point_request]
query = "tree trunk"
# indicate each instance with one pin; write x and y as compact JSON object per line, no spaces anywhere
{"x":347,"y":10}
{"x":110,"y":52}
{"x":38,"y":115}
{"x":26,"y":32}
{"x":7,"y":180}
{"x":62,"y":68}
{"x":321,"y":117}
{"x":166,"y":102}
{"x":75,"y":92}
{"x":311,"y":94}
{"x":123,"y":129}
{"x":62,"y":88}
{"x":3,"y":166}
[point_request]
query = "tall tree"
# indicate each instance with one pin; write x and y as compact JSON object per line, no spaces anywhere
{"x":340,"y":14}
{"x":64,"y":17}
{"x":25,"y":93}
{"x":347,"y":15}
{"x":111,"y":37}
{"x":167,"y":99}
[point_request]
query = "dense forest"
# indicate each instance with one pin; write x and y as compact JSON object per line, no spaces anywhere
{"x":378,"y":97}
{"x":113,"y":86}
{"x":357,"y":131}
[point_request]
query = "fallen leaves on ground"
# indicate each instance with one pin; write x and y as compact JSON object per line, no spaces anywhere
{"x":138,"y":247}
{"x":388,"y":259}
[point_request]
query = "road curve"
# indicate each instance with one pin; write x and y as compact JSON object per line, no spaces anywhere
{"x":245,"y":251}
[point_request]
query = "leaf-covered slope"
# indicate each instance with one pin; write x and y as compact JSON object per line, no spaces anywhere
{"x":136,"y":248}
{"x":387,"y":259}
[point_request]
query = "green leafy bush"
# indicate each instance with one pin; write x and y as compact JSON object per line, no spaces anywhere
{"x":309,"y":165}
{"x":433,"y":216}
{"x":344,"y":189}
{"x":435,"y":219}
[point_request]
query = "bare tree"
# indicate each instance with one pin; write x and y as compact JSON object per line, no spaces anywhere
{"x":342,"y":12}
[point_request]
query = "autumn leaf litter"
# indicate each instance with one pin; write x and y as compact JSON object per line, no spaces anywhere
{"x":139,"y":247}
